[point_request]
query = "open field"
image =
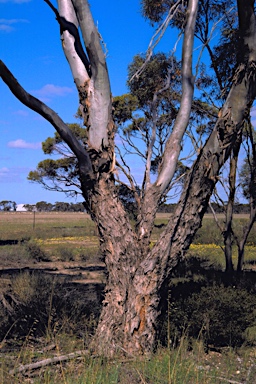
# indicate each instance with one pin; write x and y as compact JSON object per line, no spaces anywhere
{"x":72,"y":237}
{"x":58,"y":243}
{"x":39,"y":224}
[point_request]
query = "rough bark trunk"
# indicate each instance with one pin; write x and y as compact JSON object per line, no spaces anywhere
{"x":133,"y":290}
{"x":128,"y":319}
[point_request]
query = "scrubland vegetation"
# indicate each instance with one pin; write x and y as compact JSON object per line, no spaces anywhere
{"x":52,"y":279}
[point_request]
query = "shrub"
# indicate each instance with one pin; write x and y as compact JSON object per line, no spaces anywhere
{"x":24,"y":287}
{"x":34,"y":251}
{"x":66,"y":254}
{"x":217,"y":314}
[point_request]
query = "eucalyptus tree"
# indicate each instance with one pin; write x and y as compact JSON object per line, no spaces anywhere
{"x":137,"y":273}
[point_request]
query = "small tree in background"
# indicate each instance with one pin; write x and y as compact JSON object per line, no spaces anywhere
{"x":8,"y":205}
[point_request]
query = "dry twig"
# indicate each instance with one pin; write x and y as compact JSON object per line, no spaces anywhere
{"x":45,"y":362}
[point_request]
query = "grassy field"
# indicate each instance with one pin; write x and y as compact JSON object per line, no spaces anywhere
{"x":21,"y":225}
{"x":75,"y":231}
{"x":66,"y":245}
{"x":59,"y":236}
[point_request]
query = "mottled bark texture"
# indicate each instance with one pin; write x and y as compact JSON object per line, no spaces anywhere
{"x":136,"y":273}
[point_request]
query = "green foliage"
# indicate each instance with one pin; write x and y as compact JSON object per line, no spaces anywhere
{"x":30,"y":207}
{"x":43,"y":206}
{"x":155,"y":10}
{"x":209,"y":314}
{"x":158,"y":93}
{"x":59,"y":174}
{"x":52,"y":144}
{"x":127,"y":196}
{"x":211,"y":306}
{"x":245,"y":178}
{"x":123,"y":108}
{"x":250,"y":334}
{"x":153,"y":79}
{"x":224,"y":55}
{"x":66,"y":253}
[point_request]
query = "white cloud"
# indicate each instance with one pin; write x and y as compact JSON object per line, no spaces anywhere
{"x":15,"y":1}
{"x":7,"y":175}
{"x":253,"y":112}
{"x":6,"y":28}
{"x":4,"y":170}
{"x":4,"y":122}
{"x":48,"y":91}
{"x":21,"y":112}
{"x":22,"y":144}
{"x":12,"y":175}
{"x":12,"y":21}
{"x":6,"y":24}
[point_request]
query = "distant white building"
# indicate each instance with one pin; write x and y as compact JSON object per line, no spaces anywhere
{"x":20,"y":208}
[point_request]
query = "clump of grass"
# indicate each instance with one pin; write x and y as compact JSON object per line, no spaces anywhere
{"x":25,"y":239}
{"x":65,"y":253}
{"x":13,"y":252}
{"x":34,"y":251}
{"x":24,"y":286}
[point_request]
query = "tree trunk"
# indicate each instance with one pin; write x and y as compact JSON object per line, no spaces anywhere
{"x":241,"y":244}
{"x":240,"y":261}
{"x":128,"y":322}
{"x":228,"y":252}
{"x":131,"y":307}
{"x":228,"y":232}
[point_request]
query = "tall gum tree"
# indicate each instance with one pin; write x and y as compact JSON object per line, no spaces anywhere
{"x":136,"y":274}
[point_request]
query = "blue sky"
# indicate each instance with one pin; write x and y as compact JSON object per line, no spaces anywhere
{"x":30,"y":47}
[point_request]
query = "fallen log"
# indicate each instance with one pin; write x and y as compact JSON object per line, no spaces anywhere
{"x":45,"y":362}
